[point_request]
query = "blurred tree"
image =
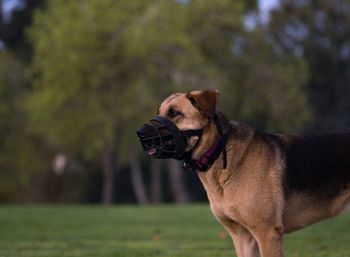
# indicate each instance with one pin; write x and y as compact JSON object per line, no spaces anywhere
{"x":23,"y":158}
{"x":269,"y":87}
{"x":10,"y":79}
{"x":81,"y":86}
{"x":318,"y":32}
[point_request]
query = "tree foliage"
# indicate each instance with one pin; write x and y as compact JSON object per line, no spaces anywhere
{"x":318,"y":32}
{"x":268,"y":88}
{"x":23,"y":156}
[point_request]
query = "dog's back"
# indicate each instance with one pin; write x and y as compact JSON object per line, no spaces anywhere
{"x":318,"y":164}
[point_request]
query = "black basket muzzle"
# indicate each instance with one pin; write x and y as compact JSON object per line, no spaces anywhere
{"x":162,"y":139}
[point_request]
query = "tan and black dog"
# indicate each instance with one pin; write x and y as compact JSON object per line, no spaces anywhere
{"x":270,"y":184}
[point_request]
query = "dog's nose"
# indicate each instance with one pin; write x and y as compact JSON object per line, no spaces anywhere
{"x":146,"y":131}
{"x":141,"y":132}
{"x":147,"y":135}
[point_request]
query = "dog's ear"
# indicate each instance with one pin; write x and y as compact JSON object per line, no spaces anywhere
{"x":205,"y":101}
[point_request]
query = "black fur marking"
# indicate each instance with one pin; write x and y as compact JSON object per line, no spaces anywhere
{"x":318,"y":164}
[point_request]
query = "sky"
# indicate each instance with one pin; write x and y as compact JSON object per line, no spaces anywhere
{"x":265,"y":6}
{"x":8,"y":5}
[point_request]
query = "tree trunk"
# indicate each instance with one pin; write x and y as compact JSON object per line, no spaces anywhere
{"x":156,"y":181}
{"x":136,"y":178}
{"x":109,"y":162}
{"x":177,"y":182}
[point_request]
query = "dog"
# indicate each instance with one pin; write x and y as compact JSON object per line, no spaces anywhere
{"x":259,"y":185}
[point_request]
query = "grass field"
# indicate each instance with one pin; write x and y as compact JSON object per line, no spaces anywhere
{"x":186,"y":231}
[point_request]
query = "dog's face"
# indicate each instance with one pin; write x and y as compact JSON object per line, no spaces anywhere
{"x":187,"y":111}
{"x":190,"y":111}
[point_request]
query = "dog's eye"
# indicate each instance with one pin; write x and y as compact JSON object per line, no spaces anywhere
{"x":172,"y":113}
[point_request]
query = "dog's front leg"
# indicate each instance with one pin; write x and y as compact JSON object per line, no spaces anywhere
{"x":245,"y":244}
{"x":270,"y":242}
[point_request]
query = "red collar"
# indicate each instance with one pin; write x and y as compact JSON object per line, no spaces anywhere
{"x":208,"y":158}
{"x":203,"y":161}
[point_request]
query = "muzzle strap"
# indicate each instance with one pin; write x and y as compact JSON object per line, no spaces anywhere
{"x":221,"y":134}
{"x":207,"y":159}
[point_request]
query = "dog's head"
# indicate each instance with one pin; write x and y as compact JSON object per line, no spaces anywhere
{"x":179,"y":124}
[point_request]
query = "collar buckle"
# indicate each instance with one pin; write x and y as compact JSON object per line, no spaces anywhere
{"x":186,"y":166}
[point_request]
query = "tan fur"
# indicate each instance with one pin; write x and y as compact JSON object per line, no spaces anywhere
{"x":247,"y":197}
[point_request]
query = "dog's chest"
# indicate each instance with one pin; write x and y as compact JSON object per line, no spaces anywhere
{"x":231,"y":209}
{"x":230,"y":204}
{"x":245,"y":199}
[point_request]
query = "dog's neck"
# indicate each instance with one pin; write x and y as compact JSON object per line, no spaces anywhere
{"x":239,"y":139}
{"x":209,"y":137}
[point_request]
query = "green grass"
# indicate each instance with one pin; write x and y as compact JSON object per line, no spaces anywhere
{"x":186,"y":231}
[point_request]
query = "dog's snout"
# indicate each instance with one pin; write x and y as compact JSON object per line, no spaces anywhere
{"x":161,"y":138}
{"x":146,"y":131}
{"x":141,"y":132}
